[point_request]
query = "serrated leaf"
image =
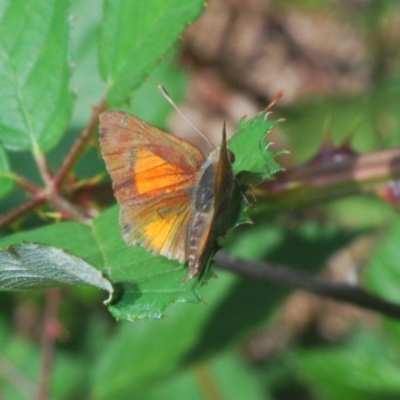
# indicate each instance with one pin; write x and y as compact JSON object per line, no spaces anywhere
{"x":146,"y":284}
{"x":6,"y":183}
{"x":250,"y":146}
{"x":35,"y":102}
{"x":33,"y":266}
{"x":135,"y":35}
{"x":254,"y":162}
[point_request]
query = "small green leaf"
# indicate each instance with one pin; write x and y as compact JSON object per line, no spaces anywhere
{"x":6,"y":183}
{"x":33,"y":266}
{"x":250,"y":146}
{"x":35,"y":102}
{"x":254,"y":162}
{"x":135,"y":35}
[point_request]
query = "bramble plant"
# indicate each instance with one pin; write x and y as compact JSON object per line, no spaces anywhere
{"x":60,"y":224}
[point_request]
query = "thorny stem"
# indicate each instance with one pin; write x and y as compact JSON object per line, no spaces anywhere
{"x":336,"y":176}
{"x":287,"y":277}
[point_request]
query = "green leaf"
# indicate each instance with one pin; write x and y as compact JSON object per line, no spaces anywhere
{"x":135,"y":35}
{"x":6,"y":183}
{"x":250,"y":146}
{"x":382,"y":274}
{"x":147,"y":284}
{"x":219,"y":373}
{"x":35,"y":102}
{"x":75,"y":238}
{"x":366,"y":366}
{"x":147,"y":101}
{"x":253,"y":164}
{"x":139,"y":354}
{"x":22,"y":356}
{"x":33,"y":266}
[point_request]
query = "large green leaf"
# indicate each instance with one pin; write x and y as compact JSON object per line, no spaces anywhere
{"x":73,"y":237}
{"x":147,"y":284}
{"x":366,"y":369}
{"x":219,"y":373}
{"x":35,"y":101}
{"x":133,"y":37}
{"x":139,"y":354}
{"x":148,"y":103}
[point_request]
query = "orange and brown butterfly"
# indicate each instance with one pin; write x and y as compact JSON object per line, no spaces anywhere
{"x":171,"y":196}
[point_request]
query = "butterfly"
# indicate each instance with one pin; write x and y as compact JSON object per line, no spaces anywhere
{"x":171,"y":197}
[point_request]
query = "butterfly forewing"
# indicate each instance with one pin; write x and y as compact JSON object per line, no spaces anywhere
{"x":154,"y":176}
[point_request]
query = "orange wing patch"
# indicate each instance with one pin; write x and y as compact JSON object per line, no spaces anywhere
{"x":154,"y":175}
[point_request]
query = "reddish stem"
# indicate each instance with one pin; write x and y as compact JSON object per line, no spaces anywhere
{"x":337,"y":176}
{"x":79,"y":144}
{"x":16,"y":213}
{"x":53,"y":297}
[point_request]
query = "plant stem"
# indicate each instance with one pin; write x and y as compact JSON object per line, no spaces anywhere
{"x":287,"y":277}
{"x":67,"y":209}
{"x":53,"y":297}
{"x":79,"y":144}
{"x":333,"y":177}
{"x":16,"y":213}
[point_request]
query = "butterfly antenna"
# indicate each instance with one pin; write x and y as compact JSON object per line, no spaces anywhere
{"x":274,"y":101}
{"x":168,"y":97}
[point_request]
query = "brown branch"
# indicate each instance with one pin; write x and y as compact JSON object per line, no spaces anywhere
{"x":67,"y":209}
{"x":16,"y":213}
{"x":53,"y":297}
{"x":27,"y":185}
{"x":334,"y":176}
{"x":79,"y":144}
{"x":287,"y":277}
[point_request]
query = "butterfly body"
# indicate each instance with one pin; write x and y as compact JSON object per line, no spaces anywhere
{"x":170,"y":195}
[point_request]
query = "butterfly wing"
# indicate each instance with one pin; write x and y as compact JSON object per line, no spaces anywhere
{"x":154,"y":177}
